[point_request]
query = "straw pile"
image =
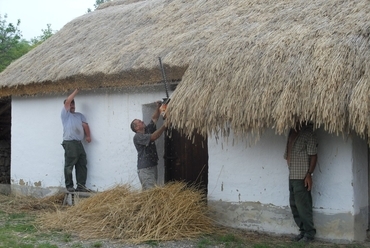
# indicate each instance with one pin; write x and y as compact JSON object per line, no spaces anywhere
{"x":50,"y":203}
{"x":171,"y":212}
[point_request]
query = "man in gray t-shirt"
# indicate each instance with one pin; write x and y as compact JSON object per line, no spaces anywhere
{"x":144,"y":141}
{"x":75,"y":129}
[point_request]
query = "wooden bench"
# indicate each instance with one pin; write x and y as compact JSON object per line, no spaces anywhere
{"x":71,"y":197}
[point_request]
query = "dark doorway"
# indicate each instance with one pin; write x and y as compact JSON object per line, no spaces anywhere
{"x":186,"y":160}
{"x":5,"y":138}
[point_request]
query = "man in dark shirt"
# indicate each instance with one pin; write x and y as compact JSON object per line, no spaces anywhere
{"x":144,"y":141}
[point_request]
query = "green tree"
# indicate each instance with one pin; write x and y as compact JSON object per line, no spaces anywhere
{"x":11,"y":45}
{"x":46,"y":34}
{"x":97,"y":3}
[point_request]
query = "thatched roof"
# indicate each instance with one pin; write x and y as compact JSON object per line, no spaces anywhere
{"x":245,"y":65}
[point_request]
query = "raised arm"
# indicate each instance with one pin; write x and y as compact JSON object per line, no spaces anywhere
{"x":67,"y":103}
{"x":157,"y":133}
{"x":157,"y":112}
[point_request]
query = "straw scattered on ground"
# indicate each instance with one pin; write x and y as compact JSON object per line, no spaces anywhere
{"x":172,"y":212}
{"x":14,"y":204}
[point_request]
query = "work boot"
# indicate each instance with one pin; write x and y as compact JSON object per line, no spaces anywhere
{"x":298,"y":237}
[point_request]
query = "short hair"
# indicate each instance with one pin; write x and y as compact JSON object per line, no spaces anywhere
{"x":133,"y":126}
{"x":73,"y":101}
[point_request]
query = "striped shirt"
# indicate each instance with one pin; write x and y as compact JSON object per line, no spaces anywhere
{"x":298,"y":153}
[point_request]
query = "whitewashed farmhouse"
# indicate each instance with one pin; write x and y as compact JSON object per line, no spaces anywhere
{"x":240,"y":74}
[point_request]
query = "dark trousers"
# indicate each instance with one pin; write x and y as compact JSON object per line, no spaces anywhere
{"x":301,"y":205}
{"x":74,"y":155}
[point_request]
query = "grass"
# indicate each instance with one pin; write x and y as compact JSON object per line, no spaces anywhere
{"x":18,"y":230}
{"x":228,"y":241}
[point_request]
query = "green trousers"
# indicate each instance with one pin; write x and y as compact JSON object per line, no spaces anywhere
{"x":74,"y":156}
{"x":301,"y":205}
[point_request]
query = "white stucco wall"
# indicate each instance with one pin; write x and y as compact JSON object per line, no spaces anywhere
{"x":37,"y":154}
{"x":260,"y":173}
{"x":248,"y":173}
{"x":249,"y":185}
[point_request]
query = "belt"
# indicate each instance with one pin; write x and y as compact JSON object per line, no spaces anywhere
{"x":75,"y":141}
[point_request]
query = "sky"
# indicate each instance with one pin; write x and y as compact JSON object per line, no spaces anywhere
{"x":36,"y":14}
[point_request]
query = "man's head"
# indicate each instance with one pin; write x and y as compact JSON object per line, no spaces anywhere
{"x":300,"y":125}
{"x":137,"y":125}
{"x":72,"y":106}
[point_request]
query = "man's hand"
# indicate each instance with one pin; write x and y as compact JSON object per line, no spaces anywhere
{"x":88,"y":139}
{"x":308,"y":181}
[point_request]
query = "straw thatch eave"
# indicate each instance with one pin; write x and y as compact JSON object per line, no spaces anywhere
{"x":123,"y":81}
{"x":244,"y":65}
{"x":291,"y":61}
{"x":96,"y":50}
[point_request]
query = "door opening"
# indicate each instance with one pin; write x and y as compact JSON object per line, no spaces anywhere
{"x":186,"y":160}
{"x":5,"y":145}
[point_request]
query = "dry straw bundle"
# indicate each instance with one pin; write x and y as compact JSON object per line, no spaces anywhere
{"x":16,"y":203}
{"x":171,"y":212}
{"x":50,"y":203}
